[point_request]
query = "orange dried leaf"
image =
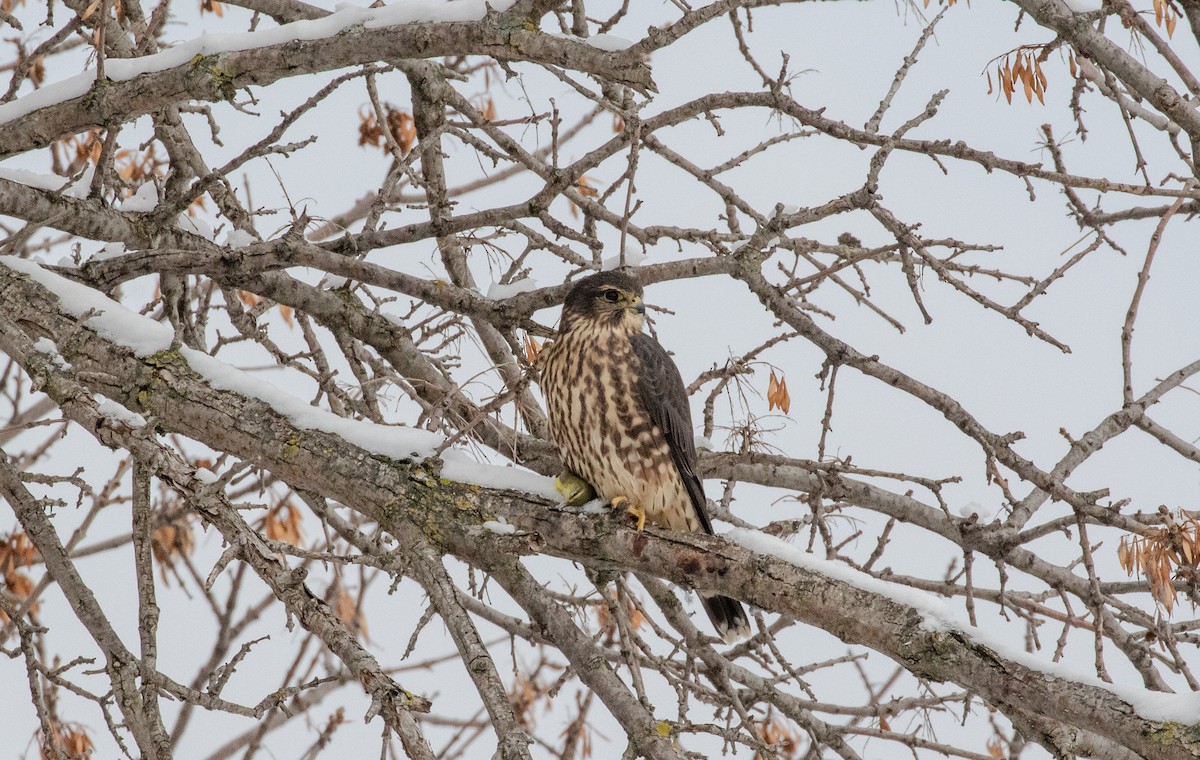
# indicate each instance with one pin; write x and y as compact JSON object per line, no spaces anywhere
{"x":287,"y":314}
{"x":995,"y":748}
{"x":586,"y":189}
{"x":1006,"y":81}
{"x":1074,"y":67}
{"x":777,"y":394}
{"x":369,"y":132}
{"x":403,"y":128}
{"x":343,"y":605}
{"x":636,"y":619}
{"x":249,"y":299}
{"x":347,"y":610}
{"x":20,"y":584}
{"x":77,"y":743}
{"x":532,"y":348}
{"x":172,"y":540}
{"x":37,"y":72}
{"x":489,"y":110}
{"x":17,"y":551}
{"x":282,"y":523}
{"x":778,"y":737}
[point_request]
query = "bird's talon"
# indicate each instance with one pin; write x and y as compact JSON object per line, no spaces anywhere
{"x":633,"y":510}
{"x":638,"y":514}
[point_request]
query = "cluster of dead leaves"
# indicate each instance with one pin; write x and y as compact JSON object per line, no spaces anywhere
{"x":70,"y":154}
{"x":779,"y":737}
{"x":1162,"y":554}
{"x":399,"y":123}
{"x":533,"y":349}
{"x":67,"y":741}
{"x":282,"y":523}
{"x":136,"y":169}
{"x":608,"y":624}
{"x":1166,"y":14}
{"x":1023,"y":67}
{"x":524,"y":695}
{"x":17,"y":551}
{"x":777,"y":394}
{"x":173,"y":540}
{"x":251,"y":300}
{"x":212,"y":6}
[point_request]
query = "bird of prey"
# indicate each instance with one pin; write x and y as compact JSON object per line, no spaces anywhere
{"x":620,"y":419}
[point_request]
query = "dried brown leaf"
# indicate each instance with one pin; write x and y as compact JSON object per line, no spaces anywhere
{"x":777,"y":394}
{"x":171,"y":541}
{"x":282,"y":523}
{"x":347,"y":609}
{"x":249,"y":298}
{"x":533,"y":349}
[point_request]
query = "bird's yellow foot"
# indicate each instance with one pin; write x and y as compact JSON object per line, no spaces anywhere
{"x":575,"y":490}
{"x":633,"y":510}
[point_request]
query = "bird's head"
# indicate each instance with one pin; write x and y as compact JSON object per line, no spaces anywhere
{"x":607,"y":299}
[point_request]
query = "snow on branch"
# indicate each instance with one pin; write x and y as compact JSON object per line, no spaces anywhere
{"x":381,"y":472}
{"x":215,"y":67}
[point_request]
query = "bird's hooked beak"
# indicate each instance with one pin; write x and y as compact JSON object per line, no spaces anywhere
{"x":639,"y":307}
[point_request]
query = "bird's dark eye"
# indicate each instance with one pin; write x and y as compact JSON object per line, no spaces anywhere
{"x":612,"y":296}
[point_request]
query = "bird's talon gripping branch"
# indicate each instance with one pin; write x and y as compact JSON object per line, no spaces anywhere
{"x":631,"y":509}
{"x":575,"y":490}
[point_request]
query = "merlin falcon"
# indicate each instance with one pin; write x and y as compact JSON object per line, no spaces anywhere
{"x":619,"y":416}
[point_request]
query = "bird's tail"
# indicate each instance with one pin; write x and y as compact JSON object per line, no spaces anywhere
{"x":728,"y":617}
